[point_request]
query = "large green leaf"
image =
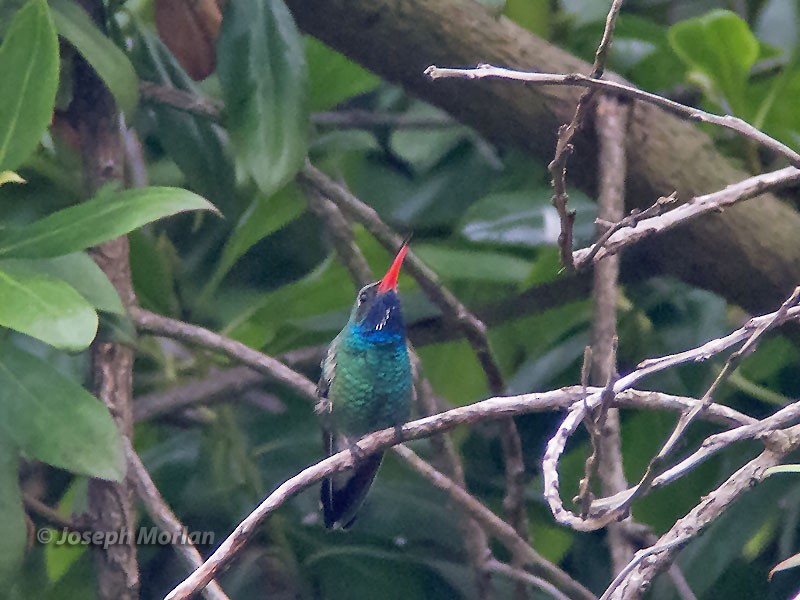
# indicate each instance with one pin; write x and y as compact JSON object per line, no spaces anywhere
{"x":110,"y":63}
{"x":45,"y":308}
{"x":265,"y":216}
{"x":524,"y":218}
{"x":98,"y":220}
{"x":13,"y":531}
{"x":79,"y":271}
{"x":333,"y":77}
{"x":470,"y":265}
{"x":29,"y":78}
{"x":53,"y":419}
{"x":262,"y":69}
{"x":319,"y":292}
{"x":198,"y":146}
{"x":721,"y":47}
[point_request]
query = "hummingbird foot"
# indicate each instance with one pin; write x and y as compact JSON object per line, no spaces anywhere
{"x":356,"y":453}
{"x":399,"y":438}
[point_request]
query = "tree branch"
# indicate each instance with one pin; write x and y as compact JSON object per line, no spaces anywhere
{"x":638,"y":226}
{"x":595,"y":83}
{"x":611,"y":122}
{"x":166,"y":520}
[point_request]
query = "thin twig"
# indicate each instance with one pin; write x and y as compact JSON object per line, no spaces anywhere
{"x":165,"y":519}
{"x":651,"y":221}
{"x":566,"y":133}
{"x":149,"y":322}
{"x":51,"y":516}
{"x":585,"y":256}
{"x":521,"y":576}
{"x":576,"y":79}
{"x":493,"y":524}
{"x":200,"y":106}
{"x":638,"y":558}
{"x":219,"y":384}
{"x":364,"y":119}
{"x":636,"y":581}
{"x":688,"y":418}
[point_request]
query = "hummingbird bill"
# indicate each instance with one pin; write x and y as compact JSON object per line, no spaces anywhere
{"x":365,"y":385}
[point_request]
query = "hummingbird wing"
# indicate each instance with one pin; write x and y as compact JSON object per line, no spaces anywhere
{"x":342,"y":494}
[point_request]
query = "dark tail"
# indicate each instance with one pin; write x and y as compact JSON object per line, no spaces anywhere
{"x":343,"y":495}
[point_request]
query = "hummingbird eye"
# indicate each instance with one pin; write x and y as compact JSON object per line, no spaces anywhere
{"x":363,"y":296}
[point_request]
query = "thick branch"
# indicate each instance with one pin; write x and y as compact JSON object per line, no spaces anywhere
{"x":95,"y":117}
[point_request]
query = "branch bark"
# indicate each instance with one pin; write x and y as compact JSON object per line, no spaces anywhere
{"x":611,"y":122}
{"x":95,"y":117}
{"x":749,"y":254}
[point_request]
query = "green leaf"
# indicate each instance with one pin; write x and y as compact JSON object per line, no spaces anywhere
{"x":29,"y":68}
{"x":319,"y":292}
{"x":778,"y":23}
{"x":721,"y":47}
{"x":110,"y":63}
{"x":333,"y":77}
{"x":152,"y":269}
{"x":265,"y":216}
{"x":105,"y":217}
{"x":13,"y":530}
{"x":10,"y":177}
{"x":45,"y":308}
{"x":53,"y":419}
{"x":472,"y":265}
{"x":262,"y":69}
{"x":524,"y":218}
{"x":198,"y":146}
{"x":79,"y":271}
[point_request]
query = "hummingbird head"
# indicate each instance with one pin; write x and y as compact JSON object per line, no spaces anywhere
{"x":376,"y":313}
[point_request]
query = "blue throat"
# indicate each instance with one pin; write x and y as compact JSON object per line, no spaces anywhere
{"x":383,"y":323}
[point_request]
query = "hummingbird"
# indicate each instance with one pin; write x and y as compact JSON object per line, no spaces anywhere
{"x":365,"y":386}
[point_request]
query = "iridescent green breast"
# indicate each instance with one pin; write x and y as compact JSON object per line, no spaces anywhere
{"x":371,"y":386}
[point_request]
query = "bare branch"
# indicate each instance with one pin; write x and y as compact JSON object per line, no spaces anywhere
{"x":498,"y":528}
{"x":611,"y":124}
{"x":149,"y":322}
{"x":576,"y":79}
{"x":637,"y":580}
{"x":524,"y":577}
{"x":165,"y":519}
{"x":219,"y":384}
{"x":638,"y":226}
{"x":566,"y":133}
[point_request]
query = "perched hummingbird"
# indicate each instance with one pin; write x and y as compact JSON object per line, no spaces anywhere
{"x":365,"y":386}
